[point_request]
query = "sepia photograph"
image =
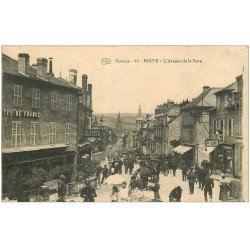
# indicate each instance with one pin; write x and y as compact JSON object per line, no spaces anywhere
{"x":124,"y":124}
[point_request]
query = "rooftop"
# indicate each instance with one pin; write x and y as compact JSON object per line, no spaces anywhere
{"x":204,"y":99}
{"x":10,"y":66}
{"x":230,"y":87}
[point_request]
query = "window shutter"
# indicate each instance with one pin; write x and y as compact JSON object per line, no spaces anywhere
{"x":20,"y":95}
{"x":13,"y":134}
{"x":38,"y":97}
{"x":15,"y":100}
{"x":232,"y":127}
{"x":19,"y":133}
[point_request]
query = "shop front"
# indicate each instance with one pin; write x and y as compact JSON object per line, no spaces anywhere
{"x":185,"y":153}
{"x":30,"y":165}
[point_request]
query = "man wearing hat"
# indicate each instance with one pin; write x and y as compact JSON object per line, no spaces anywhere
{"x":88,"y":192}
{"x":62,"y":188}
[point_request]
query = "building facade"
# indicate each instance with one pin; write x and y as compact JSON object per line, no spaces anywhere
{"x":167,"y":126}
{"x":195,"y":125}
{"x":226,"y":128}
{"x":43,"y":117}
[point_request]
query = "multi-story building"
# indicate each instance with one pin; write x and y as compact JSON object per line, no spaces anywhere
{"x":43,"y":117}
{"x":226,"y":128}
{"x":195,"y":125}
{"x":149,"y":134}
{"x":167,"y":126}
{"x":102,"y":132}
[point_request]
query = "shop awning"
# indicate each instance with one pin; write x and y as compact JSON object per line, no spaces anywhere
{"x":209,"y":150}
{"x":35,"y":148}
{"x":182,"y":149}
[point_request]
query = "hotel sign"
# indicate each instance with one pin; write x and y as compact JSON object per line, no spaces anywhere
{"x":21,"y":113}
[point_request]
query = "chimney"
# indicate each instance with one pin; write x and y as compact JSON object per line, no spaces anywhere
{"x":239,"y":80}
{"x":206,"y":88}
{"x":89,"y":96}
{"x":90,"y":89}
{"x":50,"y":67}
{"x":84,"y":88}
{"x":23,"y":63}
{"x":41,"y":68}
{"x":73,"y":76}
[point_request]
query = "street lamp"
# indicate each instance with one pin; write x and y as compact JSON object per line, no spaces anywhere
{"x":76,"y":158}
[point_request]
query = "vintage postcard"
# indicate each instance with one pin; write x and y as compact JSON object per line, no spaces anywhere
{"x":124,"y":124}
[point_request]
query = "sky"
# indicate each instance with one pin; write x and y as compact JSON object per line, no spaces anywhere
{"x":122,"y":87}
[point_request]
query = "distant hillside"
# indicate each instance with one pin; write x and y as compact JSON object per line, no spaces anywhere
{"x":128,"y":120}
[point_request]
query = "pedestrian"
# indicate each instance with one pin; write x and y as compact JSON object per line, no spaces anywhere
{"x":115,"y":194}
{"x":201,"y":174}
{"x":191,"y":180}
{"x":155,"y":189}
{"x":126,"y":165}
{"x":210,"y":167}
{"x":120,"y":163}
{"x":98,"y":174}
{"x":224,"y":188}
{"x":158,"y":169}
{"x":131,"y":166}
{"x":144,"y":178}
{"x":184,"y":171}
{"x":208,"y":187}
{"x":62,"y":188}
{"x":105,"y":172}
{"x":174,"y":167}
{"x":236,"y":189}
{"x":112,"y":168}
{"x":166,"y":168}
{"x":88,"y":193}
{"x":124,"y":192}
{"x":175,"y":194}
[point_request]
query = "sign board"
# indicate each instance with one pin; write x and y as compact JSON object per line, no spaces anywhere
{"x":21,"y":113}
{"x":212,"y":143}
{"x":92,"y":133}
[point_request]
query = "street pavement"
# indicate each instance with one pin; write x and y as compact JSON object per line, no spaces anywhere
{"x":167,"y":183}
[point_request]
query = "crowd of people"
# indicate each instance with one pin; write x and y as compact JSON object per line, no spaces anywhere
{"x":145,"y":174}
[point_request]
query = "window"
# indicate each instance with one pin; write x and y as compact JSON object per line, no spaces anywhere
{"x":214,"y":126}
{"x":52,"y":133}
{"x":53,"y":103}
{"x":68,"y":133}
{"x":34,"y":134}
{"x":69,"y":103}
{"x":230,"y":127}
{"x":35,"y":98}
{"x":18,"y":95}
{"x":220,"y":126}
{"x":16,"y":134}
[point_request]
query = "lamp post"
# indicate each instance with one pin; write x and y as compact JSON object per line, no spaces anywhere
{"x":76,"y":158}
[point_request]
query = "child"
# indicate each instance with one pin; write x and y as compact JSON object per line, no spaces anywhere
{"x":115,"y":194}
